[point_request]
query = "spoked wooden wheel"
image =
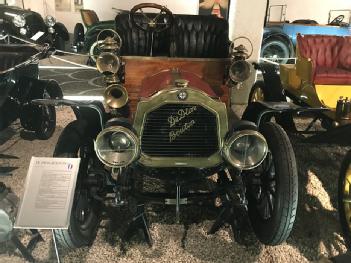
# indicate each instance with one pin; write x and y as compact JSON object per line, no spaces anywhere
{"x":344,"y":198}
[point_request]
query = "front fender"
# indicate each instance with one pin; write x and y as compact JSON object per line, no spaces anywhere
{"x":61,"y":30}
{"x":92,"y":112}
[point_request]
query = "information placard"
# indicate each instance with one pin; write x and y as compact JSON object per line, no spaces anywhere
{"x":48,"y":194}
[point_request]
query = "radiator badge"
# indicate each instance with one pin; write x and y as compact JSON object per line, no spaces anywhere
{"x":181,"y":114}
{"x":173,"y":120}
{"x":176,"y":133}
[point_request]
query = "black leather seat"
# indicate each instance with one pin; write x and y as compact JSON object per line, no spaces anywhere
{"x":197,"y":36}
{"x":190,"y":36}
{"x":137,"y":42}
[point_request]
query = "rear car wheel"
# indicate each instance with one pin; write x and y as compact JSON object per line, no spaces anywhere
{"x":85,"y":215}
{"x":273,"y":191}
{"x":276,"y":50}
{"x":344,"y":199}
{"x":47,"y":123}
{"x":59,"y":43}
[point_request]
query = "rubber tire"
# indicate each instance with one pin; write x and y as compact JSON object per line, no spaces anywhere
{"x":344,"y":225}
{"x":46,"y":134}
{"x":78,"y":34}
{"x":72,"y":137}
{"x":280,"y":43}
{"x":276,"y":229}
{"x":59,"y":43}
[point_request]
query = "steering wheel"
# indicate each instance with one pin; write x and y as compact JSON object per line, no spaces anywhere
{"x":162,"y":21}
{"x":337,"y":20}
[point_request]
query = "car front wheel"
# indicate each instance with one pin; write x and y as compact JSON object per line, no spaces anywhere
{"x":85,"y":215}
{"x":273,"y":189}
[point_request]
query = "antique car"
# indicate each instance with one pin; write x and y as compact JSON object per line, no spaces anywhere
{"x":279,"y":37}
{"x":318,"y":86}
{"x":344,"y":198}
{"x":19,"y":84}
{"x":166,"y":115}
{"x":30,"y":25}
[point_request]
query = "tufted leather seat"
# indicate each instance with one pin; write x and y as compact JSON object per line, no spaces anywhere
{"x":199,"y":37}
{"x":190,"y":36}
{"x":137,"y":42}
{"x":330,"y":56}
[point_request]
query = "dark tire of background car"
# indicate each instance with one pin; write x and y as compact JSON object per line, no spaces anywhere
{"x":78,"y":34}
{"x":48,"y":123}
{"x":73,"y":138}
{"x":276,"y":44}
{"x":59,"y":43}
{"x":276,"y":229}
{"x":341,"y":184}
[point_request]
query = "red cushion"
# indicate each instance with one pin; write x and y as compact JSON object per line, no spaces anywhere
{"x":345,"y":54}
{"x":332,"y":76}
{"x":323,"y":50}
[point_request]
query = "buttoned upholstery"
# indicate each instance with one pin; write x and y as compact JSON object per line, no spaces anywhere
{"x":137,"y":42}
{"x":199,"y":37}
{"x":190,"y":36}
{"x":330,"y":57}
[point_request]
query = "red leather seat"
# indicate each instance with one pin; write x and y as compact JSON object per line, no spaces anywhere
{"x":332,"y":76}
{"x":330,"y":56}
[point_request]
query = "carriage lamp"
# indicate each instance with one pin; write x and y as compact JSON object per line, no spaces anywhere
{"x":245,"y":149}
{"x":108,"y":63}
{"x":117,"y":146}
{"x":239,"y":71}
{"x":8,"y":204}
{"x":50,"y":21}
{"x":19,"y":20}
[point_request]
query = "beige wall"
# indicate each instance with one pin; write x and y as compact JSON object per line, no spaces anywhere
{"x":311,"y":9}
{"x":106,"y":12}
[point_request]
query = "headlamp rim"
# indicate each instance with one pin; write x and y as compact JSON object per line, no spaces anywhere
{"x":235,"y":136}
{"x":129,"y":133}
{"x":22,"y":17}
{"x":232,"y":76}
{"x":47,"y":21}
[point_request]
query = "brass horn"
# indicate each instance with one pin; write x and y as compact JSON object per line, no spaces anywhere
{"x":116,"y":96}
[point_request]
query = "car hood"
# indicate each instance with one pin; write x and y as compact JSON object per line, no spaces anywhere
{"x":166,"y":78}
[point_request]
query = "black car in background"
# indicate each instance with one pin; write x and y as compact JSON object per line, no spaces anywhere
{"x":30,"y":25}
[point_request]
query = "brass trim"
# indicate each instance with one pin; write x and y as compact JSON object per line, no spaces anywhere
{"x":167,"y":96}
{"x":116,"y":102}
